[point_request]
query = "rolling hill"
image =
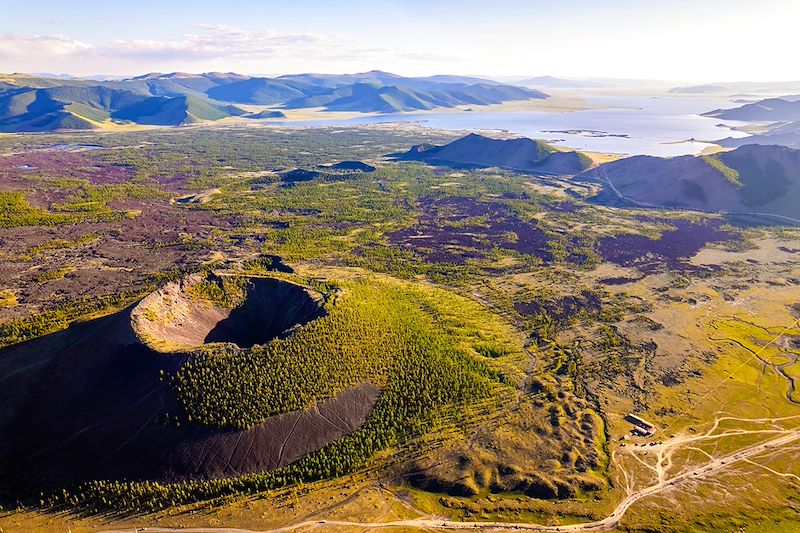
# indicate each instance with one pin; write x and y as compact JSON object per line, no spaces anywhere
{"x":520,"y":154}
{"x":333,"y":81}
{"x":785,"y":134}
{"x":750,"y":179}
{"x":771,"y":109}
{"x":64,"y":107}
{"x":379,"y":77}
{"x":699,"y":89}
{"x":750,"y":87}
{"x":314,"y":90}
{"x":267,"y":113}
{"x":176,"y":111}
{"x":364,"y":97}
{"x":413,"y":96}
{"x":34,"y":103}
{"x":262,"y":91}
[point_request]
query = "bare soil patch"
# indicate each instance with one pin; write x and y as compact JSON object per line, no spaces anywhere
{"x":173,"y":318}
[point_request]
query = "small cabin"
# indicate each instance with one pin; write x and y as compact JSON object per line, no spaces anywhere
{"x":641,"y":427}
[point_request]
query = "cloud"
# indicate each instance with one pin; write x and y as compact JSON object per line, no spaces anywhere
{"x":23,"y":48}
{"x":208,"y":47}
{"x":217,"y":41}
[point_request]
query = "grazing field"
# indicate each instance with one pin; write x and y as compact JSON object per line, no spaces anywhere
{"x":273,"y":328}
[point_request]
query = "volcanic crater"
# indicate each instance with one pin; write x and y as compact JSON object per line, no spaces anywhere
{"x":179,"y":317}
{"x":92,"y":401}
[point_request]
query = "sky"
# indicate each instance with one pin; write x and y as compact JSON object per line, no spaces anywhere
{"x":681,"y":40}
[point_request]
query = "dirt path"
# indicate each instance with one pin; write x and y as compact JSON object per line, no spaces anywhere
{"x":605,"y":179}
{"x":663,"y":452}
{"x":709,"y":469}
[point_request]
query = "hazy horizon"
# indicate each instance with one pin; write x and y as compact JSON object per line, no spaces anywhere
{"x":505,"y":78}
{"x":675,"y":40}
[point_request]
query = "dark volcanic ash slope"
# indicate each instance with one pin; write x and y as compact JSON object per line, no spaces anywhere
{"x":750,"y":179}
{"x":519,"y":154}
{"x":90,"y":403}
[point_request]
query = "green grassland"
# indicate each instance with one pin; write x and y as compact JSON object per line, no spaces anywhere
{"x":368,"y":326}
{"x":417,"y":343}
{"x":15,"y":211}
{"x":494,"y":356}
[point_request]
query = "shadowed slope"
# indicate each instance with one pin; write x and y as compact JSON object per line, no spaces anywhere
{"x":92,"y":402}
{"x":179,"y":316}
{"x":752,"y":178}
{"x":519,"y":154}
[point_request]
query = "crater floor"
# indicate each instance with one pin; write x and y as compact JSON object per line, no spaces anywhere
{"x":178,"y":318}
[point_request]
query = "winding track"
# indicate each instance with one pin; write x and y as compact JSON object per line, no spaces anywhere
{"x":664,"y":453}
{"x":605,"y":179}
{"x":713,"y":467}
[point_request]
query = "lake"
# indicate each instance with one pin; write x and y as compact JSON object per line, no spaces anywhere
{"x":657,"y":125}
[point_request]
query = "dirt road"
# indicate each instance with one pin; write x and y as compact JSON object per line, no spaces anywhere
{"x":709,"y":469}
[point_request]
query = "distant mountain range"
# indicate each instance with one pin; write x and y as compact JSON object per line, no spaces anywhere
{"x":560,"y":83}
{"x":770,"y":109}
{"x":740,"y":87}
{"x":782,"y":134}
{"x":34,"y":103}
{"x":700,"y":89}
{"x":783,"y":113}
{"x":519,"y":154}
{"x":370,"y":97}
{"x":750,"y":179}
